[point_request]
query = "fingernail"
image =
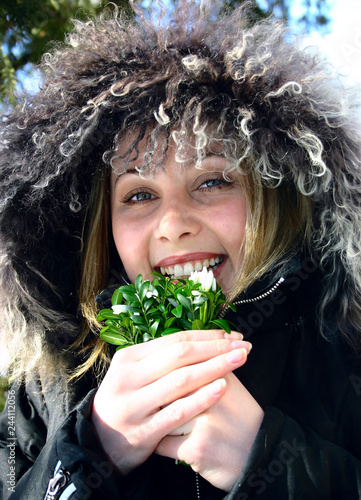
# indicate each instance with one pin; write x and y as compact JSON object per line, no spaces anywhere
{"x":249,"y":347}
{"x":237,"y":355}
{"x":237,"y":344}
{"x":233,"y":335}
{"x":217,"y":386}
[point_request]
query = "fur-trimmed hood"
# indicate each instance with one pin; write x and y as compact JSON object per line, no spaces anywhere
{"x":293,"y":120}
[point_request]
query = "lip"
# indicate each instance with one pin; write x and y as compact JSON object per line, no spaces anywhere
{"x":189,"y":257}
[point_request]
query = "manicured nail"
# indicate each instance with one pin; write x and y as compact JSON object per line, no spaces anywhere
{"x":237,"y":355}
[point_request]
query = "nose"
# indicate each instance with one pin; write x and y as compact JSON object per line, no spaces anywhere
{"x":177,"y":221}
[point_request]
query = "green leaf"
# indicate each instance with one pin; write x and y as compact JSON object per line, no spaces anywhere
{"x":117,"y":297}
{"x":130,"y":296}
{"x":143,"y":328}
{"x":105,"y":314}
{"x":144,"y":289}
{"x":169,"y":322}
{"x":133,"y":309}
{"x":127,"y":288}
{"x":169,"y":331}
{"x":199,"y":300}
{"x":197,"y":324}
{"x":104,"y":329}
{"x":186,"y":325}
{"x":221,"y":323}
{"x":173,"y":302}
{"x":138,"y":282}
{"x":135,"y":303}
{"x":121,"y":347}
{"x":153,"y":310}
{"x":114,"y":330}
{"x":184,"y":301}
{"x":138,"y":320}
{"x":154,"y":327}
{"x":147,"y":337}
{"x":155,"y":282}
{"x":147,"y":304}
{"x":177,"y":311}
{"x":159,"y":275}
{"x":114,"y":339}
{"x":126,"y":322}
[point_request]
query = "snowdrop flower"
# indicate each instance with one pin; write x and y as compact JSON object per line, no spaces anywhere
{"x":205,"y":278}
{"x":152,"y":292}
{"x":119,"y":309}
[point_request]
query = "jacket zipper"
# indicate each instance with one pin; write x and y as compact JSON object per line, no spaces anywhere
{"x":60,"y":485}
{"x":239,"y":302}
{"x":255,"y":299}
{"x":56,"y":484}
{"x":198,"y":487}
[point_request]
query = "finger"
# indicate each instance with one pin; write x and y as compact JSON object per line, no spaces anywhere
{"x":180,"y":354}
{"x":185,"y":409}
{"x":183,"y":430}
{"x":139,"y":351}
{"x":181,"y":382}
{"x":172,"y":446}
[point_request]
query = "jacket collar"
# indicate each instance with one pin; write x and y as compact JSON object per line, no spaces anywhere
{"x":281,"y":297}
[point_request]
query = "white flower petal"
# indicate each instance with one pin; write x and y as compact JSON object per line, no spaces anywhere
{"x":119,"y":309}
{"x":205,"y":278}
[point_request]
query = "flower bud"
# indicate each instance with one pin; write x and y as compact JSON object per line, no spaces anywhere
{"x":205,"y":278}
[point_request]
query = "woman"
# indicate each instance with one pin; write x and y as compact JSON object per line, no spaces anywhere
{"x":148,"y":149}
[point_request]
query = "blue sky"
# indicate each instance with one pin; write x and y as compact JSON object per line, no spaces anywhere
{"x":341,"y":44}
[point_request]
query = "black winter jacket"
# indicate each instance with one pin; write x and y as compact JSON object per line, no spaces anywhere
{"x":308,"y":447}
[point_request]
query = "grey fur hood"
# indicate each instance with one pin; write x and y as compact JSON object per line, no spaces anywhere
{"x":293,"y":120}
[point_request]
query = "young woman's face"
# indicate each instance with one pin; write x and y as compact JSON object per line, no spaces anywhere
{"x":178,"y":220}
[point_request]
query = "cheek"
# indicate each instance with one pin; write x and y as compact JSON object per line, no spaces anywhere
{"x":129,"y":243}
{"x":231,"y":222}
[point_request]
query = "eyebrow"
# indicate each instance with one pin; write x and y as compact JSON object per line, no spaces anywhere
{"x":133,"y":171}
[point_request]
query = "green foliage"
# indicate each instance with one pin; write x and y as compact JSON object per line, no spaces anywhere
{"x":28,"y":26}
{"x":146,"y":310}
{"x":4,"y":386}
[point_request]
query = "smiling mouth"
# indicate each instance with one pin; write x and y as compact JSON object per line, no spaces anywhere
{"x":186,"y":269}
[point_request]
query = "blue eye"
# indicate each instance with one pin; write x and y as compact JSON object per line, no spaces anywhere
{"x":213,"y":183}
{"x":135,"y":197}
{"x":141,"y":196}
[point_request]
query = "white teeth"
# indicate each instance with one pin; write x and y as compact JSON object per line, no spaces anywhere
{"x":188,"y":268}
{"x":198,"y":266}
{"x":178,"y":270}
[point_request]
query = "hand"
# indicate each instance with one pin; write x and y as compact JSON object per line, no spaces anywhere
{"x":151,"y":389}
{"x":216,"y":442}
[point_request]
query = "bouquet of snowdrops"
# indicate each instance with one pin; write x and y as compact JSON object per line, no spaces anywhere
{"x":147,"y":309}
